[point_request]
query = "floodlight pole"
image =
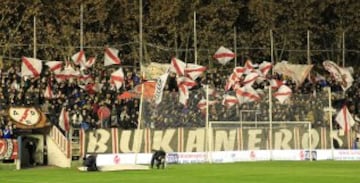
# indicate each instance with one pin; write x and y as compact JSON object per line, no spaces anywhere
{"x":140,"y":32}
{"x":235,"y":46}
{"x":195,"y":39}
{"x":343,"y":49}
{"x":308,"y":48}
{"x":81,"y":27}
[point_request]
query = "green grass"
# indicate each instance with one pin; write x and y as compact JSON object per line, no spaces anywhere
{"x":247,"y":172}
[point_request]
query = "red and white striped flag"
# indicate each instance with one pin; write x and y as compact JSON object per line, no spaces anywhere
{"x":31,"y":67}
{"x":283,"y":93}
{"x":224,"y":55}
{"x":88,"y":63}
{"x":229,"y":101}
{"x":111,"y":57}
{"x":231,"y":81}
{"x":185,"y":81}
{"x":86,"y":78}
{"x":297,"y":72}
{"x":250,"y":79}
{"x":68,"y":73}
{"x":79,"y":58}
{"x":183,"y":94}
{"x":239,"y":71}
{"x":54,"y":66}
{"x":193,"y":71}
{"x":91,"y":88}
{"x":202,"y":104}
{"x":340,"y":74}
{"x":64,"y":120}
{"x":247,"y":94}
{"x":249,"y":66}
{"x":264,"y":68}
{"x":117,"y":78}
{"x":49,"y":93}
{"x":177,"y":66}
{"x":344,"y":119}
{"x":275,"y":84}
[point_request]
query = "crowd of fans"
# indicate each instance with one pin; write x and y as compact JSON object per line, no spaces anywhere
{"x":306,"y":104}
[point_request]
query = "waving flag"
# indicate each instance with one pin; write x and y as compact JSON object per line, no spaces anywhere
{"x":49,"y":93}
{"x":88,"y":63}
{"x":64,"y":121}
{"x":183,"y":94}
{"x":297,"y":72}
{"x":231,"y":81}
{"x":91,"y":88}
{"x":31,"y":67}
{"x":117,"y":78}
{"x":178,"y":66}
{"x":283,"y":93}
{"x":68,"y":73}
{"x":224,"y":55}
{"x":54,"y":66}
{"x":185,"y":81}
{"x":160,"y":84}
{"x":79,"y":58}
{"x":344,"y":119}
{"x":229,"y":101}
{"x":250,"y":79}
{"x":239,"y":71}
{"x":202,"y":104}
{"x":193,"y":71}
{"x":264,"y":68}
{"x":247,"y":94}
{"x":275,"y":84}
{"x":111,"y":57}
{"x":341,"y":75}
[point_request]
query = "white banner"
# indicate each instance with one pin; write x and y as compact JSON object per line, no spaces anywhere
{"x":159,"y":88}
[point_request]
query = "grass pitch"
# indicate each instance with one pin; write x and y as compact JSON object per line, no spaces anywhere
{"x":247,"y":172}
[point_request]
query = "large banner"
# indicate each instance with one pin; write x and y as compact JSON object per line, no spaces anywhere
{"x":194,"y":140}
{"x":27,"y":117}
{"x":8,"y":149}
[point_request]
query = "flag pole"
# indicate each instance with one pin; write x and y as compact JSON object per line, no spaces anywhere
{"x":34,"y":37}
{"x":235,"y":46}
{"x":343,"y":49}
{"x":138,"y":129}
{"x":270,"y":95}
{"x":195,"y":39}
{"x":308,"y":47}
{"x":81,"y":26}
{"x":140,"y":32}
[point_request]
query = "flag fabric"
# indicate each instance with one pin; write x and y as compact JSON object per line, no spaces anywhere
{"x":54,"y":66}
{"x":224,"y":55}
{"x":154,"y":70}
{"x":159,"y":88}
{"x":31,"y":67}
{"x":68,"y":73}
{"x":91,"y":88}
{"x":249,"y":66}
{"x":86,"y":78}
{"x":344,"y":119}
{"x":275,"y":84}
{"x":49,"y":93}
{"x":264,"y":68}
{"x":185,"y":81}
{"x":231,"y":81}
{"x":229,"y":101}
{"x":283,"y":93}
{"x":239,"y":71}
{"x":250,"y":79}
{"x":202,"y":104}
{"x":247,"y":94}
{"x":79,"y":58}
{"x":117,"y":78}
{"x":183,"y":94}
{"x":64,"y":122}
{"x":111,"y":57}
{"x":178,"y":66}
{"x":298,"y":72}
{"x":88,"y":63}
{"x":340,"y":74}
{"x":193,"y":71}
